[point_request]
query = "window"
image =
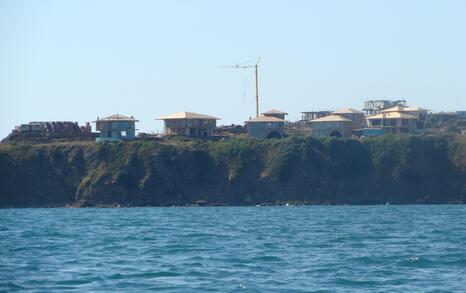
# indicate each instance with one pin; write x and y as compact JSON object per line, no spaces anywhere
{"x":376,"y":122}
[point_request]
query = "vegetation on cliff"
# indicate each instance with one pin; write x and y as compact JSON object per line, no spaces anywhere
{"x":396,"y":169}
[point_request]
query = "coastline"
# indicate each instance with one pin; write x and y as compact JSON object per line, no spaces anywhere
{"x":244,"y":172}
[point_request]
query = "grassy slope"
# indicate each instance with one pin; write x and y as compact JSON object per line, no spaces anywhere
{"x":399,"y":169}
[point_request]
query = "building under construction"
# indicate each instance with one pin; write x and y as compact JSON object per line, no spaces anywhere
{"x":312,"y":115}
{"x":264,"y":127}
{"x":116,"y":128}
{"x":374,"y":107}
{"x":189,"y":124}
{"x":49,"y":130}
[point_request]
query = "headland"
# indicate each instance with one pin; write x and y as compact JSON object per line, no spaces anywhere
{"x":401,"y":169}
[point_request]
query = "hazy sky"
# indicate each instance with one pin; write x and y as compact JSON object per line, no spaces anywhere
{"x":76,"y":60}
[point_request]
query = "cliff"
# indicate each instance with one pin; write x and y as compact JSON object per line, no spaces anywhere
{"x":395,"y":169}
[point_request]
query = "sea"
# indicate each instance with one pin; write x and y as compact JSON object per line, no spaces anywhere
{"x":386,"y":248}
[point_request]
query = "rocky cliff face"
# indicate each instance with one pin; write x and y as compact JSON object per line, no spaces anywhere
{"x":388,"y":169}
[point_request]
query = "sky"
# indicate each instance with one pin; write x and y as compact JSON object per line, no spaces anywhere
{"x":79,"y":60}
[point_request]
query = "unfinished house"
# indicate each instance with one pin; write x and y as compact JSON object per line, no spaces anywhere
{"x":189,"y":124}
{"x":313,"y":115}
{"x":420,"y":114}
{"x":116,"y":128}
{"x":275,"y":113}
{"x":332,"y":125}
{"x":32,"y":127}
{"x":264,"y":127}
{"x":49,"y":129}
{"x":394,"y":122}
{"x":374,"y":107}
{"x":357,"y":117}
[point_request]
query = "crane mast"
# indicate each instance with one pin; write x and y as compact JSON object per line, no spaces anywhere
{"x":257,"y":89}
{"x":256,"y":72}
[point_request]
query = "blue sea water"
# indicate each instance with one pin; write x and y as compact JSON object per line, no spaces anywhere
{"x":232,"y":249}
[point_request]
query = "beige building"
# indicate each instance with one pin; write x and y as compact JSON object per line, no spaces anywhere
{"x":116,"y":128}
{"x":264,"y":127}
{"x":332,"y":125}
{"x":356,"y":116}
{"x":189,"y":124}
{"x":418,"y":112}
{"x":414,"y":111}
{"x":394,"y":122}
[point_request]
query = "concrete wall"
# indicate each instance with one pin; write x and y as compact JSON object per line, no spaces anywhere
{"x":308,"y":116}
{"x":117,"y":130}
{"x":397,"y":125}
{"x":190,"y":127}
{"x":359,"y":121}
{"x":329,"y":128}
{"x":264,"y":130}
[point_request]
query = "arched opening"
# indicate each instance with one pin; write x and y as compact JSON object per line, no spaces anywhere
{"x":274,"y":134}
{"x":335,"y":133}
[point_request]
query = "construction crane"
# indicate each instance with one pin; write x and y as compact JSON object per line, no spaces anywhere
{"x":256,"y":71}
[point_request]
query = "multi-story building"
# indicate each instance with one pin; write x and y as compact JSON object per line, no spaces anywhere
{"x":264,"y":127}
{"x":116,"y":128}
{"x":374,"y":107}
{"x":332,"y":125}
{"x":189,"y":124}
